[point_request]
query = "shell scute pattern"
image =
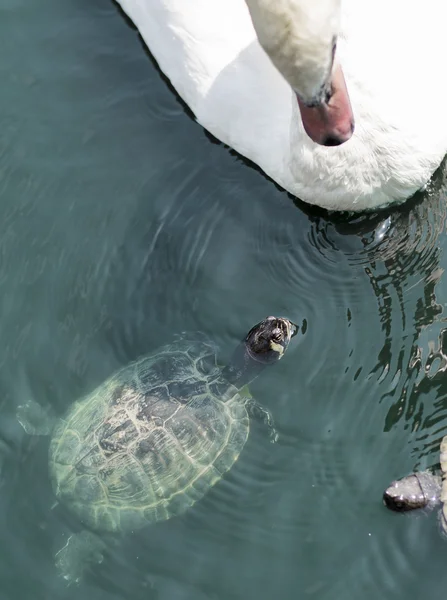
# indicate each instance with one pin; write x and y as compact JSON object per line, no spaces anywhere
{"x":150,"y":441}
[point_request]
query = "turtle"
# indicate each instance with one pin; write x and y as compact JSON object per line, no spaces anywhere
{"x":151,"y":440}
{"x":421,"y":490}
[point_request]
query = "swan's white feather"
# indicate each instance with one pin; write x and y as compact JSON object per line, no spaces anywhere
{"x":393,"y":54}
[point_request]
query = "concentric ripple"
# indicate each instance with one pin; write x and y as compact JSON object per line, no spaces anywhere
{"x":122,"y":224}
{"x":313,"y":500}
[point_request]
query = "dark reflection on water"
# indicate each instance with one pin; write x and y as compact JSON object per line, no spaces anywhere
{"x":402,"y":255}
{"x":121,"y":225}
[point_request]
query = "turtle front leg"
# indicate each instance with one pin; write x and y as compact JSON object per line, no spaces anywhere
{"x":260,"y":413}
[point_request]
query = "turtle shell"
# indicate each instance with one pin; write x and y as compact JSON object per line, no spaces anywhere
{"x":150,"y":441}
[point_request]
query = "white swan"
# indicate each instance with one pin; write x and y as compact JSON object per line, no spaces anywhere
{"x":393,"y":56}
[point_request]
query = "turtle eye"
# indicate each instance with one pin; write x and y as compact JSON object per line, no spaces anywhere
{"x":277,"y":335}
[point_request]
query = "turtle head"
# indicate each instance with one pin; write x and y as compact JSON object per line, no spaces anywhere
{"x":263,"y":345}
{"x":419,"y":490}
{"x":267,"y":341}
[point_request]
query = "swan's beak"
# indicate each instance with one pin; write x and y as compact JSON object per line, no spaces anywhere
{"x":330,"y":123}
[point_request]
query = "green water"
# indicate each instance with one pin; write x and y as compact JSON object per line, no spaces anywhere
{"x":121,"y":224}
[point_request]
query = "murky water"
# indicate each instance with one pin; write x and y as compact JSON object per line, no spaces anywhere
{"x":121,"y":224}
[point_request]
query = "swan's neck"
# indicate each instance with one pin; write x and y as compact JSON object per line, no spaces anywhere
{"x":299,"y":36}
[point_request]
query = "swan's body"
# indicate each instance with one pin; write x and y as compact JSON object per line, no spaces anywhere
{"x":393,"y":58}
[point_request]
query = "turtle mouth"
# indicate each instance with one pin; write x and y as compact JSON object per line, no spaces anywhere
{"x":396,"y":503}
{"x":293,"y":329}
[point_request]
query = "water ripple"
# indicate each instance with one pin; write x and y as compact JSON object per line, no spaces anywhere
{"x":123,"y":224}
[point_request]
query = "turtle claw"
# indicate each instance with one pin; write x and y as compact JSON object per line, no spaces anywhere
{"x":81,"y":551}
{"x":260,"y":413}
{"x":35,"y":419}
{"x":274,"y":436}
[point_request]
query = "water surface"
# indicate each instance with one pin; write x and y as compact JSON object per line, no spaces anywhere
{"x":123,"y":223}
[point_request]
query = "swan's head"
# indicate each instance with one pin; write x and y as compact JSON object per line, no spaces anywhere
{"x":300,"y":37}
